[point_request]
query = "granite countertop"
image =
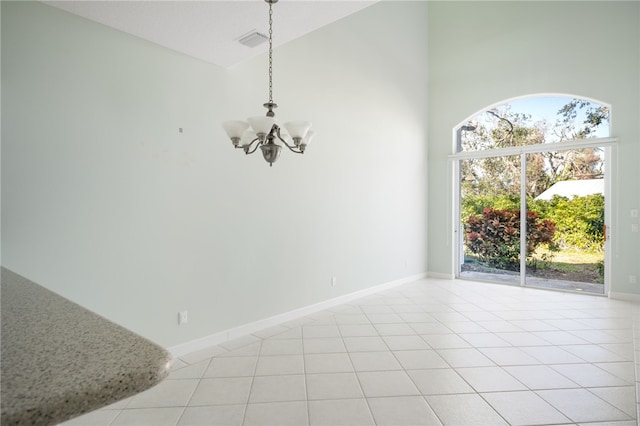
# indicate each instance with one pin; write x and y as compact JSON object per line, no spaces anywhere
{"x":60,"y":360}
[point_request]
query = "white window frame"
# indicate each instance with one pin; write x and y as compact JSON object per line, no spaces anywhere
{"x":609,"y":144}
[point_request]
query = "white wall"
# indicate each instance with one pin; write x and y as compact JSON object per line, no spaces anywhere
{"x":105,"y":202}
{"x":481,"y":53}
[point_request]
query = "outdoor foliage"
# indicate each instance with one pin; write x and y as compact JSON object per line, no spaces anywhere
{"x":494,"y":236}
{"x":502,"y":127}
{"x":579,"y":221}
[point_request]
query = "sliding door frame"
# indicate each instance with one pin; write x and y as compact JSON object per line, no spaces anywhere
{"x":609,"y":145}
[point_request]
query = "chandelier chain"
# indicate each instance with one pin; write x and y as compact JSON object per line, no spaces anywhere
{"x":270,"y":53}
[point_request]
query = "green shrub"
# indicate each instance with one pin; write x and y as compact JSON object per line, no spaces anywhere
{"x":579,"y":221}
{"x":475,"y":205}
{"x":494,"y":236}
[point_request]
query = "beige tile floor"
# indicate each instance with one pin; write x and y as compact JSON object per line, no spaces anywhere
{"x":431,"y":352}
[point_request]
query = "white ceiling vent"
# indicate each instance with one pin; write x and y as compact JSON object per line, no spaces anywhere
{"x":253,"y":39}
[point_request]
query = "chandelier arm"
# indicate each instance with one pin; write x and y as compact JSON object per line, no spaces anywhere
{"x":295,"y":151}
{"x":277,"y":128}
{"x":291,"y":148}
{"x":247,"y":147}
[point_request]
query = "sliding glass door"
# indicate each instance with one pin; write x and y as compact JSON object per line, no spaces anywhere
{"x":573,"y":212}
{"x":563,"y":224}
{"x":530,"y":193}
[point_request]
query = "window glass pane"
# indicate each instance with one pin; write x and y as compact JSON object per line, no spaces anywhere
{"x":490,"y":216}
{"x":565,"y":237}
{"x":534,"y":121}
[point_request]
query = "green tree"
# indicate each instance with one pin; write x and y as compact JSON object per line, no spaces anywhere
{"x":501,"y":127}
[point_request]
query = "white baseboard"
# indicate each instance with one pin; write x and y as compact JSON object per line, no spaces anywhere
{"x":441,"y":276}
{"x":243,"y":330}
{"x":631,"y":297}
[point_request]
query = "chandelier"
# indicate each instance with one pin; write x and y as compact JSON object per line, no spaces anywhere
{"x":262,"y":131}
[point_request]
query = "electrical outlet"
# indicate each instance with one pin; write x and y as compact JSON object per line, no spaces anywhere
{"x":334,"y":281}
{"x":183,"y":317}
{"x":634,"y":212}
{"x":633,"y":279}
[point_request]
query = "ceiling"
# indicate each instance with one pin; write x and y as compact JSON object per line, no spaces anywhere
{"x":209,"y":30}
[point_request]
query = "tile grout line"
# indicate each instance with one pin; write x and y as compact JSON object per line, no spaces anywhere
{"x":355,"y":373}
{"x":304,"y":372}
{"x":424,"y":397}
{"x":255,"y":369}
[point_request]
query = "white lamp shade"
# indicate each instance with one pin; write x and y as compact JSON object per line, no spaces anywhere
{"x":262,"y":124}
{"x":310,"y":135}
{"x":235,"y":129}
{"x":247,"y":137}
{"x":297,"y":129}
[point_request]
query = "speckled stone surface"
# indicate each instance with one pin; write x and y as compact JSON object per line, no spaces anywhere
{"x":60,"y":360}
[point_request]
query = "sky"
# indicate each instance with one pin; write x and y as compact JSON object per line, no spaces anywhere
{"x":547,"y":107}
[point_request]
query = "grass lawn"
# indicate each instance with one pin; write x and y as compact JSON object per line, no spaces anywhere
{"x":566,"y":265}
{"x":570,"y":264}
